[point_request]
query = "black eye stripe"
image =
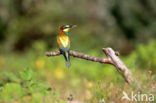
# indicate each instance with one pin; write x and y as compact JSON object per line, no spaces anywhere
{"x":65,"y":27}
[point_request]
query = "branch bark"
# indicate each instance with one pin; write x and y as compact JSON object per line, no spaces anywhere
{"x":112,"y":58}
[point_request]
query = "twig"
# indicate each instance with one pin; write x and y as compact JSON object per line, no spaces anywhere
{"x":112,"y":58}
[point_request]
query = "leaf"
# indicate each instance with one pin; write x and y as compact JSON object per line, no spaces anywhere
{"x":11,"y":91}
{"x":27,"y":74}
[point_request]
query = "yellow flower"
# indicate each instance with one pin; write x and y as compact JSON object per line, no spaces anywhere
{"x":89,"y":84}
{"x":40,"y":63}
{"x":59,"y":73}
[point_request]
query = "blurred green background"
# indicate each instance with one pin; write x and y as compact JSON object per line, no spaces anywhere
{"x":28,"y":29}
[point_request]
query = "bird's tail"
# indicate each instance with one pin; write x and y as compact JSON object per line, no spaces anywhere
{"x":67,"y":58}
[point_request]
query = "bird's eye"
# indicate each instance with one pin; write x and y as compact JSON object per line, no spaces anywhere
{"x":65,"y":27}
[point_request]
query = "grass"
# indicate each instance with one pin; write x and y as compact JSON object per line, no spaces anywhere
{"x":32,"y":77}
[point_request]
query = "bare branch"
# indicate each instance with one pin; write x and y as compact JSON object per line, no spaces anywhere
{"x":121,"y":67}
{"x":82,"y":56}
{"x":54,"y":53}
{"x":91,"y":58}
{"x":112,"y":58}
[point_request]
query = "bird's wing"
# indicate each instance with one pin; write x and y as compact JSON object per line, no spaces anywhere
{"x":58,"y":42}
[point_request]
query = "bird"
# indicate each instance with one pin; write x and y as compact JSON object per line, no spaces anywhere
{"x":63,"y":42}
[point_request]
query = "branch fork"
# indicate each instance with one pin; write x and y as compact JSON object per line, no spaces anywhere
{"x":112,"y":58}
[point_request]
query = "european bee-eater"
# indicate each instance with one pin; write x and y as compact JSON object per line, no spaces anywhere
{"x":63,"y":42}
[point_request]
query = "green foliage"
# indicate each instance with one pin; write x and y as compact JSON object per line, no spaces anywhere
{"x":147,"y":56}
{"x":144,"y":57}
{"x":11,"y":91}
{"x":50,"y":81}
{"x":27,"y":86}
{"x":27,"y":75}
{"x":110,"y":22}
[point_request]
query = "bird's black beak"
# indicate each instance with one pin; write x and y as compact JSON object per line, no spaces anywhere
{"x":73,"y":26}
